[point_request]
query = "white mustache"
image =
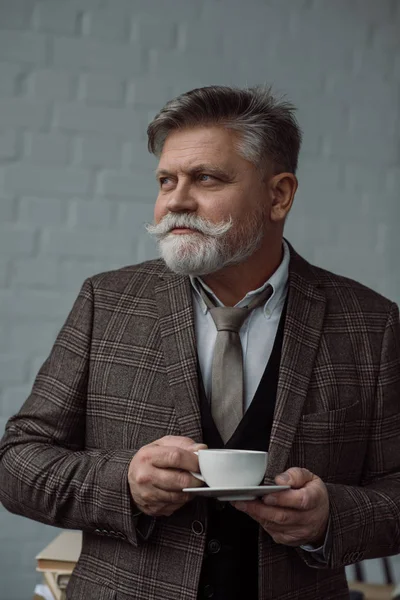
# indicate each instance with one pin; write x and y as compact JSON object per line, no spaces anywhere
{"x":189,"y":221}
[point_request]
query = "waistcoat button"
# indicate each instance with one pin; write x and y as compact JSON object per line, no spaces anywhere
{"x":208,"y":591}
{"x":197,"y":527}
{"x":214,"y":546}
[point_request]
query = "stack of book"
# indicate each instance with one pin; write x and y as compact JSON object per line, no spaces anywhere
{"x":57,"y":561}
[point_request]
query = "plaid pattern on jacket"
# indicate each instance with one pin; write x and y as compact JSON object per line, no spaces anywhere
{"x":123,"y":372}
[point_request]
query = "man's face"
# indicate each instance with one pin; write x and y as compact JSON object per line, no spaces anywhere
{"x":212,"y":201}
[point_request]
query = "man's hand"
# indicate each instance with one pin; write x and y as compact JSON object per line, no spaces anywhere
{"x":294,"y":517}
{"x":159,"y":471}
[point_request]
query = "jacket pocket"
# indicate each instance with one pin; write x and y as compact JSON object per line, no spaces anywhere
{"x":86,"y":589}
{"x":332,"y":444}
{"x":335,"y":417}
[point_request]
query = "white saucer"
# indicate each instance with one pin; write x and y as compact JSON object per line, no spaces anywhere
{"x":235,"y":493}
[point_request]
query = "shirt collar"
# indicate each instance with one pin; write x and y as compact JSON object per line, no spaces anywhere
{"x":278,"y":281}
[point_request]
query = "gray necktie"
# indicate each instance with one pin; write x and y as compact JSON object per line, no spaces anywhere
{"x":227,"y":366}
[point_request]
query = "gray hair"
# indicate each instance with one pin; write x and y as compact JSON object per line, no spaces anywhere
{"x":266,"y":125}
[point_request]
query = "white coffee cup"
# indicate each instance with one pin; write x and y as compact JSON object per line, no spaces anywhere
{"x":224,"y":468}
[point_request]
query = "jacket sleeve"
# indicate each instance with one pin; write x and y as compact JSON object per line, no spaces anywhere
{"x":46,"y":473}
{"x":365,"y":519}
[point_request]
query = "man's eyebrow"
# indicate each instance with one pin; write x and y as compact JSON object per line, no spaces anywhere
{"x":202,"y":168}
{"x":161,"y":172}
{"x":210,"y":170}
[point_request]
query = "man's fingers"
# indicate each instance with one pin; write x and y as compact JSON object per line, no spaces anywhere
{"x":171,"y":457}
{"x":176,"y":441}
{"x":155,"y":501}
{"x":303,"y":499}
{"x":155,"y":496}
{"x":295,"y":516}
{"x":159,"y":471}
{"x":276,"y":516}
{"x":174,"y":480}
{"x":296,"y":477}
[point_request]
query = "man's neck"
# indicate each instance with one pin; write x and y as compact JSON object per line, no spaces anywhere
{"x":232,"y":283}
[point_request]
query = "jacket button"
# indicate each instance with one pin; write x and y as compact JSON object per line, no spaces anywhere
{"x":197,"y":527}
{"x":208,"y":591}
{"x":214,"y":546}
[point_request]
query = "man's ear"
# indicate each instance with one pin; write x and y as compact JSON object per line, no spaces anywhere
{"x":282,"y":188}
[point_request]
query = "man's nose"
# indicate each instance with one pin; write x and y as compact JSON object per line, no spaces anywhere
{"x":181,"y":199}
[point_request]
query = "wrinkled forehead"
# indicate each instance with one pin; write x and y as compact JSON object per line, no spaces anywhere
{"x":188,"y":149}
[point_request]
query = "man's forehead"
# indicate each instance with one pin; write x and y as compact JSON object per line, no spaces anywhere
{"x":194,"y":148}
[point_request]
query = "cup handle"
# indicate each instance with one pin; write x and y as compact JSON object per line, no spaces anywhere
{"x":197,"y":475}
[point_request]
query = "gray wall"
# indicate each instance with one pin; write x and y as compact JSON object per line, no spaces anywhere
{"x":79,"y":81}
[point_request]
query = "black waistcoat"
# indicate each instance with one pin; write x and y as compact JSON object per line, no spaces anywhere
{"x":230,"y":566}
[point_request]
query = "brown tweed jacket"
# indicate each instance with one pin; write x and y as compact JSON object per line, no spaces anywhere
{"x":123,"y":372}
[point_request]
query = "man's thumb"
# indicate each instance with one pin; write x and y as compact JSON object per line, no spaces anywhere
{"x":197,"y":447}
{"x":295,"y":476}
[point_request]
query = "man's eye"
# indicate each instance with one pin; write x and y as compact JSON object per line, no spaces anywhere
{"x":205,"y":177}
{"x":164,"y":180}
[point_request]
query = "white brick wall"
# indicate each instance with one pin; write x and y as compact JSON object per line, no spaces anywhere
{"x":18,"y":113}
{"x":107,"y":24}
{"x":77,"y":54}
{"x":9,"y":77}
{"x":46,"y":149}
{"x":56,"y":18}
{"x":76,"y":117}
{"x":20,"y":178}
{"x":16,"y":240}
{"x":79,"y":81}
{"x":42,"y":211}
{"x":23,"y":47}
{"x":50,"y":84}
{"x":98,"y":151}
{"x":97,"y":88}
{"x":8,"y":144}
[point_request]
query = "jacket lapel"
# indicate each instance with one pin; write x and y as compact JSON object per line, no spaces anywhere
{"x":176,"y":320}
{"x":303,"y":329}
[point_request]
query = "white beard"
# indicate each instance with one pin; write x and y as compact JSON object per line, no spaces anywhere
{"x":216,"y":247}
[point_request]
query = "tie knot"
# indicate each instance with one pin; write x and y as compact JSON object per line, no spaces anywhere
{"x":228,"y":319}
{"x":231,"y":318}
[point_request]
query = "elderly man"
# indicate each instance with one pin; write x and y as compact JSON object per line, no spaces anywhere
{"x":105,"y":443}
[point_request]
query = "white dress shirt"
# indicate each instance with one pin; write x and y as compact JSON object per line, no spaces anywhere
{"x":257,"y":333}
